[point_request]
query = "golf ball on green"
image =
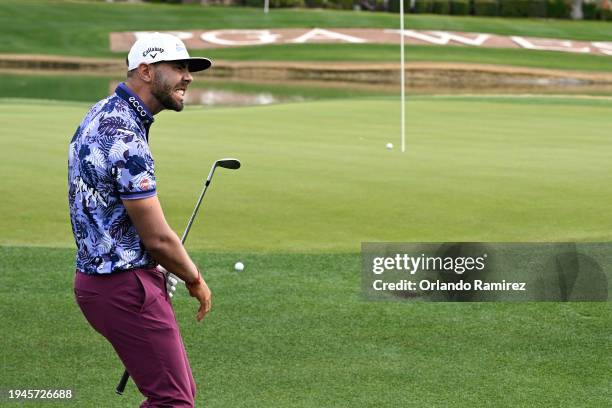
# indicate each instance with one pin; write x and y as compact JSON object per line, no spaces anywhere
{"x":389,"y":146}
{"x":239,"y":266}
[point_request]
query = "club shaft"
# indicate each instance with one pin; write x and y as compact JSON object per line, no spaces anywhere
{"x":190,"y":223}
{"x":195,"y":212}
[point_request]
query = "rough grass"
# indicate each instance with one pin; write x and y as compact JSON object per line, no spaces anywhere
{"x":82,"y":28}
{"x":291,"y":331}
{"x":390,"y":53}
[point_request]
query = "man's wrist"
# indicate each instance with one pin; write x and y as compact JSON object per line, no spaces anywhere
{"x":196,"y":281}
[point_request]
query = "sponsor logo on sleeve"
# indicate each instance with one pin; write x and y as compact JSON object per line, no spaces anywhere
{"x":146,"y":184}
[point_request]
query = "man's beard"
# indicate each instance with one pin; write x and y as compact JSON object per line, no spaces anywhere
{"x":163,"y":91}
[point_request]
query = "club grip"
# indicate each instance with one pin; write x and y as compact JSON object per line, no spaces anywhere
{"x":121,"y":386}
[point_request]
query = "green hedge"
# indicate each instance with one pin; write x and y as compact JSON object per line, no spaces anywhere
{"x":316,"y":3}
{"x":605,"y":15}
{"x":441,"y":7}
{"x":422,"y":6}
{"x":538,"y":8}
{"x":514,"y":8}
{"x":501,"y":8}
{"x":523,"y":8}
{"x":559,"y":8}
{"x":460,"y":7}
{"x":343,"y":4}
{"x":590,"y":11}
{"x":394,"y":5}
{"x":330,"y":4}
{"x":381,"y":5}
{"x":286,"y":3}
{"x":485,"y":7}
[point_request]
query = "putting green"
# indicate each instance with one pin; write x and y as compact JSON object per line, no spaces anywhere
{"x":316,"y":176}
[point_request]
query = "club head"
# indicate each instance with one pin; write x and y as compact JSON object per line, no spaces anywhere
{"x":228,"y":163}
{"x":232,"y":164}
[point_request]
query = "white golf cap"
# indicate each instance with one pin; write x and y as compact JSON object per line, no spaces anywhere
{"x":157,"y":47}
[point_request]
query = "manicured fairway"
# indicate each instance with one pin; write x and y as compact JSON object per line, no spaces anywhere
{"x":316,"y":176}
{"x":292,"y":329}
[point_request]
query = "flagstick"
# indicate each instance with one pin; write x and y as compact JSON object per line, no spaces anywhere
{"x":402,"y":75}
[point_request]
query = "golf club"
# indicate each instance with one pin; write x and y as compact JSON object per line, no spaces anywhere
{"x":232,"y":164}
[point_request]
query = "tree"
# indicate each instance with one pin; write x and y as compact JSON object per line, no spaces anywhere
{"x":577,"y":10}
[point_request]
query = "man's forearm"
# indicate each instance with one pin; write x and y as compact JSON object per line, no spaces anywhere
{"x":171,"y":254}
{"x":159,"y":239}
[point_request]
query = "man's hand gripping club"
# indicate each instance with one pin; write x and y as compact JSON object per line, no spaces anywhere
{"x":197,"y":289}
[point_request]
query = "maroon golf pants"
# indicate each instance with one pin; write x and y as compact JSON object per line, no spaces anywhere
{"x":132,"y":310}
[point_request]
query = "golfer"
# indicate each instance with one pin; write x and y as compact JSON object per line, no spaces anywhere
{"x":124,"y":244}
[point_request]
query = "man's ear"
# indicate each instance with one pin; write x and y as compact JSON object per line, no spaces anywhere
{"x":145,"y":72}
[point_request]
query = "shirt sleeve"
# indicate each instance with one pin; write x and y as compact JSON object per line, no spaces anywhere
{"x":132,"y":167}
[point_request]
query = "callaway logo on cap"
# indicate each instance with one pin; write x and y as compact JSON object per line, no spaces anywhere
{"x":157,"y":47}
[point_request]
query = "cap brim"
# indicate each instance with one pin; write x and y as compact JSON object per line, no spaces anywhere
{"x":196,"y":64}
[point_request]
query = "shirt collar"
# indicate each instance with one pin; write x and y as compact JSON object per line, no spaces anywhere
{"x":136,"y":104}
